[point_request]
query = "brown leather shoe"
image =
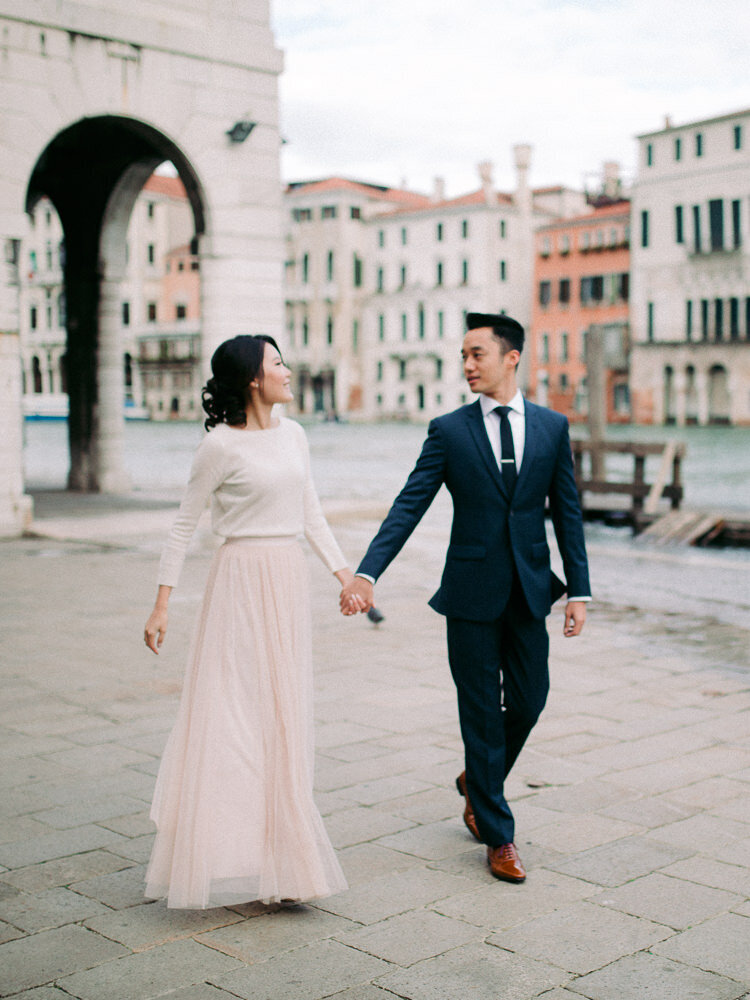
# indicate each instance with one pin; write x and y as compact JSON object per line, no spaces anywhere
{"x":505,"y":863}
{"x":469,"y":817}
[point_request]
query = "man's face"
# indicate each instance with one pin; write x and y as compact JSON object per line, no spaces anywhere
{"x":486,"y":368}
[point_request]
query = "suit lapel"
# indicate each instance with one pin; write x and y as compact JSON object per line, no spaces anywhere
{"x":479,"y":433}
{"x":530,"y":443}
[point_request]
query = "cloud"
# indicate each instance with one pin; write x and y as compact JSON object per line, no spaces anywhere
{"x":421,"y":88}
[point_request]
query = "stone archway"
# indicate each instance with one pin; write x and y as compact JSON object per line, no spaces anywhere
{"x":94,"y":97}
{"x":92,"y":172}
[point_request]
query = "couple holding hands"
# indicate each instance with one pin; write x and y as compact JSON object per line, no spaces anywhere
{"x":234,"y":809}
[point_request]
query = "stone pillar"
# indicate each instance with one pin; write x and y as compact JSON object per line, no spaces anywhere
{"x":701,"y":391}
{"x":15,"y":506}
{"x":680,"y":396}
{"x":109,"y":421}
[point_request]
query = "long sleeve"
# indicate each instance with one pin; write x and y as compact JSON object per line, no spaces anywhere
{"x":205,"y":476}
{"x":317,"y":531}
{"x":565,"y":511}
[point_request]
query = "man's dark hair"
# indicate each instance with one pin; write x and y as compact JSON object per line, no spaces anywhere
{"x":503,"y":327}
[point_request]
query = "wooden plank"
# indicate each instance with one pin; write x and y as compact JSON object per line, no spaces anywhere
{"x":667,"y":458}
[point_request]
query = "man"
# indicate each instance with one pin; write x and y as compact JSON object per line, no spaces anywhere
{"x":501,"y":458}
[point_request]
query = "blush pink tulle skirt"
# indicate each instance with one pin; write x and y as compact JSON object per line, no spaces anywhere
{"x":233,"y":805}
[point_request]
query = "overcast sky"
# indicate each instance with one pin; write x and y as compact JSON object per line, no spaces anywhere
{"x":394,"y":90}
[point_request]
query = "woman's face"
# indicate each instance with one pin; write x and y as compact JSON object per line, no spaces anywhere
{"x":274,"y":386}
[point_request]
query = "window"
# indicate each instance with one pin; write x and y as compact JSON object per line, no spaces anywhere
{"x":464,"y":272}
{"x":564,"y":244}
{"x":697,"y":228}
{"x":125,"y":314}
{"x":563,"y":347}
{"x":48,"y":254}
{"x":441,"y":324}
{"x":736,"y":224}
{"x":305,"y":331}
{"x":357,"y":271}
{"x":381,"y":327}
{"x":545,"y":251}
{"x":150,"y":209}
{"x":180,"y":311}
{"x":402,"y":283}
{"x":150,"y":253}
{"x":329,"y":330}
{"x":464,"y":229}
{"x":379,"y":372}
{"x":716,"y":223}
{"x":592,"y":289}
{"x":503,"y":229}
{"x":151,"y":312}
{"x":563,"y":382}
{"x":545,"y":293}
{"x":650,"y":321}
{"x":689,"y":320}
{"x":420,"y":320}
{"x":402,"y":376}
{"x":503,"y":270}
{"x":649,"y":154}
{"x":379,"y":279}
{"x":644,"y":228}
{"x":305,"y":268}
{"x":33,"y":317}
{"x":195,"y":265}
{"x":62,"y":310}
{"x":355,"y":334}
{"x":699,"y":144}
{"x":438,"y":369}
{"x":585,"y":242}
{"x":704,"y":319}
{"x":564,"y":290}
{"x":328,"y":212}
{"x":355,"y":212}
{"x":381,"y":238}
{"x":180,"y":265}
{"x":329,"y":266}
{"x":545,"y":349}
{"x":439,"y":232}
{"x":623,"y":286}
{"x":404,"y":326}
{"x":679,"y":229}
{"x":302,"y":214}
{"x":404,"y":236}
{"x":439,"y":273}
{"x":719,"y":318}
{"x":734,"y":319}
{"x":737,"y":136}
{"x":678,"y":149}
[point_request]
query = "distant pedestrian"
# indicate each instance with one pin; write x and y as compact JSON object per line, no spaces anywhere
{"x":233,"y":805}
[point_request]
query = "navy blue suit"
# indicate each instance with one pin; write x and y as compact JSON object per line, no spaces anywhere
{"x":497,"y":585}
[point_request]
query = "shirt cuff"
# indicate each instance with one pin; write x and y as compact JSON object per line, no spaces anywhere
{"x":366,"y":576}
{"x":584,"y":599}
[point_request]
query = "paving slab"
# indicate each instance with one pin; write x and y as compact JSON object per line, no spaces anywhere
{"x":721,"y":945}
{"x":668,"y":900}
{"x":150,"y":973}
{"x":581,"y":937}
{"x":479,"y":971}
{"x":308,"y":973}
{"x":41,"y":958}
{"x":411,"y":937}
{"x":650,"y":977}
{"x":150,"y":924}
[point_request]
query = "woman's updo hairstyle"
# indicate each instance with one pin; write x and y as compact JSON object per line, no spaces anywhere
{"x":235,"y":364}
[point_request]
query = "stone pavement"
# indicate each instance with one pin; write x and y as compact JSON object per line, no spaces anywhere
{"x":631,"y":799}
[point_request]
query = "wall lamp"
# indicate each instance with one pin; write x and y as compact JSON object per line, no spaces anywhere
{"x":241,"y":130}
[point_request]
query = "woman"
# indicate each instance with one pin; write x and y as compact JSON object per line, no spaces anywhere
{"x":233,"y":805}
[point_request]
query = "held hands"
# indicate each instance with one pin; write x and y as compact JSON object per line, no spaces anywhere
{"x":357,"y":595}
{"x":575,"y":617}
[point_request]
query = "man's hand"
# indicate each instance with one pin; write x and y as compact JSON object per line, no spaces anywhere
{"x":359,"y":595}
{"x":575,"y":617}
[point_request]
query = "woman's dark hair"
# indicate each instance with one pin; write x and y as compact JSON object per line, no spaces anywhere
{"x":235,"y":364}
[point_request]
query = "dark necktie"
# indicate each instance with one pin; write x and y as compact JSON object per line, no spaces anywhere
{"x":507,"y":451}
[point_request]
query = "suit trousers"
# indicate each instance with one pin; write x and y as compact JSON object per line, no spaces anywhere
{"x":501,"y":673}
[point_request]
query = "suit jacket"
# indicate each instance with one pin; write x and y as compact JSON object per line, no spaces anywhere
{"x":492,"y":533}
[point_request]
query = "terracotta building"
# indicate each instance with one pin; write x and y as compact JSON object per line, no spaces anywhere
{"x":581,"y":279}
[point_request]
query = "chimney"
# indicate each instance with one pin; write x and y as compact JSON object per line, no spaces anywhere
{"x":438,"y":189}
{"x":485,"y":176}
{"x":522,"y":160}
{"x":612,"y":185}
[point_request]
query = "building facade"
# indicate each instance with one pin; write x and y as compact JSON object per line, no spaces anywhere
{"x":379,"y":282}
{"x":690,"y":301}
{"x":581,"y":280}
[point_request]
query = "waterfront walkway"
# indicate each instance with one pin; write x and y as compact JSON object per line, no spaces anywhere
{"x":632,"y":798}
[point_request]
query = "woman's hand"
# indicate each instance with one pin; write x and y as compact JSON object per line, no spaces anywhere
{"x":156,"y":626}
{"x":356,"y":594}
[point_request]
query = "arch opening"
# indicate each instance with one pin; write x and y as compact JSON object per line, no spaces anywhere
{"x":92,"y":172}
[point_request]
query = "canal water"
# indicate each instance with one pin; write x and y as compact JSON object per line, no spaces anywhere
{"x":367,"y":463}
